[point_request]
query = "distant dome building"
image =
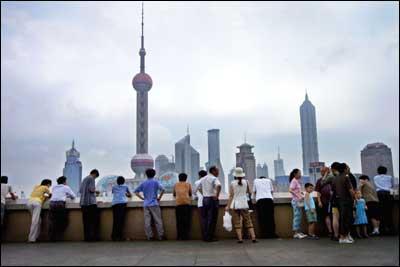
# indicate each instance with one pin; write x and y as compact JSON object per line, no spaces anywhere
{"x":106,"y":183}
{"x":168,"y":180}
{"x":140,"y":163}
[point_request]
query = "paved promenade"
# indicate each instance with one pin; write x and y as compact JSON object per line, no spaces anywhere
{"x":382,"y":251}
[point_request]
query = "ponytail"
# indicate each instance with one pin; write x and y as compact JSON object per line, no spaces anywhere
{"x":293,"y":174}
{"x":240,"y":181}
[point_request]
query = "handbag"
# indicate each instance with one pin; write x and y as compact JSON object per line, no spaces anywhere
{"x":249,"y":201}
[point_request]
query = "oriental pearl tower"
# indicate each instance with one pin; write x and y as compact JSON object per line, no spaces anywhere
{"x":142,"y":83}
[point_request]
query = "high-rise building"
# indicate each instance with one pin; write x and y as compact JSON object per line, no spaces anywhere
{"x":214,"y":155}
{"x":142,"y":83}
{"x":161,"y":164}
{"x":262,"y":170}
{"x":315,"y":171}
{"x":278,"y":166}
{"x":375,"y":155}
{"x":309,"y":139}
{"x":73,"y":169}
{"x":187,"y":159}
{"x":246,"y":160}
{"x":231,"y":177}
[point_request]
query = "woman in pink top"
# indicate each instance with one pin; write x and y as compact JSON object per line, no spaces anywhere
{"x":297,"y":202}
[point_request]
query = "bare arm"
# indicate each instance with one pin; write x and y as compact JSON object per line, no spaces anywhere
{"x":161,"y":194}
{"x":139,"y":195}
{"x":230,"y":198}
{"x":218,"y":191}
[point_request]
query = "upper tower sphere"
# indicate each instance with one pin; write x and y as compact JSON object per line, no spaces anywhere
{"x":142,"y":82}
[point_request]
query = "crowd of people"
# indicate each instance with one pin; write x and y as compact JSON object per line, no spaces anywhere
{"x":340,"y":205}
{"x":345,"y":208}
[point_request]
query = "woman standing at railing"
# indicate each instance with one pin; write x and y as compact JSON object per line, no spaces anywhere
{"x":238,"y":191}
{"x":297,"y":202}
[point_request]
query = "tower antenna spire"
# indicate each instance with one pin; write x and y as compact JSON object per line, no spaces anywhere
{"x":306,"y":94}
{"x":73,"y":143}
{"x":142,"y":52}
{"x":279,"y":153}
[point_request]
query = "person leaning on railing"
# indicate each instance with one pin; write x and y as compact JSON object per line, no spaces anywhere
{"x":58,"y":214}
{"x":39,"y":195}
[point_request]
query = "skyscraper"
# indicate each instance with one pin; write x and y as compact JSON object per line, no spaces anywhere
{"x":262,"y":170}
{"x":73,"y":169}
{"x":214,"y":155}
{"x":278,"y":166}
{"x":375,"y":155}
{"x":308,"y":134}
{"x":187,"y":159}
{"x":142,"y":83}
{"x":246,"y":160}
{"x":161,"y":164}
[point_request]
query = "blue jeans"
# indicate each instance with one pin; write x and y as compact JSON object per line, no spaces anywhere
{"x":296,"y":216}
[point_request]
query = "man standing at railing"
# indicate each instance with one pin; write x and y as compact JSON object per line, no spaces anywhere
{"x":90,"y":213}
{"x":210,"y":187}
{"x":384,"y":187}
{"x":151,"y":204}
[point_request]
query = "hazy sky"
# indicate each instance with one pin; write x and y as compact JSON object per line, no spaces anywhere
{"x":66,"y":71}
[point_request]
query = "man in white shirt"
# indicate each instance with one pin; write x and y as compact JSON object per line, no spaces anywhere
{"x":263,"y":193}
{"x":384,"y":186}
{"x":58,"y":212}
{"x":5,"y":190}
{"x":199,"y":197}
{"x":210,"y":187}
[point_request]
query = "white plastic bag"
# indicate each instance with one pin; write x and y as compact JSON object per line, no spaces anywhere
{"x":227,"y":221}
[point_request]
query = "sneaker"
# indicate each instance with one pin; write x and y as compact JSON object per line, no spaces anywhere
{"x":313,"y":237}
{"x":296,"y":236}
{"x":302,"y":235}
{"x":254,"y":241}
{"x":240,"y":241}
{"x":375,"y":233}
{"x":350,"y":238}
{"x":345,"y":241}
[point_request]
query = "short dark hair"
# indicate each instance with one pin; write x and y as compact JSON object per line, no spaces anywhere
{"x":150,"y":173}
{"x":95,"y":172}
{"x":120,"y":180}
{"x":61,"y":180}
{"x":182,"y":177}
{"x":382,"y":170}
{"x":335,"y":165}
{"x":46,"y":182}
{"x":4,"y":179}
{"x":363,"y":177}
{"x":213,"y":169}
{"x":307,"y":185}
{"x":261,"y":177}
{"x":341,"y":167}
{"x":202,"y":173}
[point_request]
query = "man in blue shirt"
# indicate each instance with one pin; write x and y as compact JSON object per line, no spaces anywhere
{"x":151,"y":205}
{"x":120,"y":193}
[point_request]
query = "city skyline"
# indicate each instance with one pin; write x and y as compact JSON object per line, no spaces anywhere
{"x":93,"y":100}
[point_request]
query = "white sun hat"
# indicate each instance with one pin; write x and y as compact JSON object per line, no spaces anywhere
{"x":239,"y":172}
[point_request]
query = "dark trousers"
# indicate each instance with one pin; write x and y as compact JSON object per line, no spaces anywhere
{"x":210,"y":217}
{"x":386,"y":207}
{"x":58,"y":220}
{"x":346,"y":216}
{"x":90,"y":216}
{"x":119,"y":212}
{"x":266,"y":218}
{"x":183,"y":220}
